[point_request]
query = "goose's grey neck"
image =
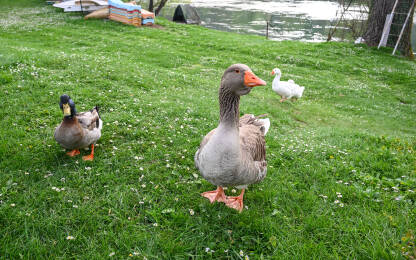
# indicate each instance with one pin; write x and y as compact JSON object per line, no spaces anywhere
{"x":229,"y":106}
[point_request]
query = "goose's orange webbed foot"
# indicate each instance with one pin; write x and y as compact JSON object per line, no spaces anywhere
{"x":73,"y":152}
{"x":215,"y":195}
{"x":236,"y":202}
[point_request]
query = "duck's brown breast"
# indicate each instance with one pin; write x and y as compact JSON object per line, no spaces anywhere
{"x":69,"y":134}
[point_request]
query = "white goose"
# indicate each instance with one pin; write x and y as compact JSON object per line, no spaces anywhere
{"x":286,"y":89}
{"x":234,"y":153}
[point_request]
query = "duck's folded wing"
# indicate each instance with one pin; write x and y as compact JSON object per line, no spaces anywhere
{"x":90,"y":119}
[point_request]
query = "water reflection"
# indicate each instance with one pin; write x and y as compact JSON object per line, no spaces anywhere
{"x":325,"y":10}
{"x":290,"y":19}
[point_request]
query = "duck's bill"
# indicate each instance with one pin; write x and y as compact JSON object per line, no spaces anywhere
{"x":251,"y":80}
{"x":67,"y":109}
{"x":273,"y":73}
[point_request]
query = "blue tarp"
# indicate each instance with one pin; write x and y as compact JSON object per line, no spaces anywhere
{"x":145,"y":21}
{"x":120,"y":4}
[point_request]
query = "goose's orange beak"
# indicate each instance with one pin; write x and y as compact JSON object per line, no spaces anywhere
{"x":251,"y":80}
{"x":273,"y":73}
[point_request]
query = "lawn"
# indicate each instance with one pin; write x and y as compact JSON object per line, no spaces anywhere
{"x":341,"y":177}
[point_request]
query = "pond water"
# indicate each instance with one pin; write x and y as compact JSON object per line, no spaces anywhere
{"x":305,"y":20}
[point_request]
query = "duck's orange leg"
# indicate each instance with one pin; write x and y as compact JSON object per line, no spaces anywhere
{"x":73,"y":152}
{"x":89,"y":157}
{"x":215,"y":195}
{"x":236,"y":202}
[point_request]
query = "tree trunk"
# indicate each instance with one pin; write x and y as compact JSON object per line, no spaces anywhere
{"x":150,"y":5}
{"x":377,"y":17}
{"x":161,"y":5}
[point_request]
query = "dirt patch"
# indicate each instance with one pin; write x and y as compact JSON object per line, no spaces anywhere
{"x":156,"y":26}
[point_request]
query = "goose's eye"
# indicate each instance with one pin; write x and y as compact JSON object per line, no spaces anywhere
{"x":237,"y":71}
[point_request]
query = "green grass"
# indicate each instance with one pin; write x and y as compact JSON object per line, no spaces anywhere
{"x":351,"y":134}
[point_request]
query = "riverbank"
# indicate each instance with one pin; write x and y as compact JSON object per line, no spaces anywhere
{"x":341,"y":176}
{"x":289,"y":20}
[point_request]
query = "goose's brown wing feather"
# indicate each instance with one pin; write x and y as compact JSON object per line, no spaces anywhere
{"x":249,"y":119}
{"x":252,"y":141}
{"x":252,"y":137}
{"x":253,"y":148}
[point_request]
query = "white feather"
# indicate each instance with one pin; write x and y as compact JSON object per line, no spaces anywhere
{"x":100,"y":124}
{"x":266,"y":124}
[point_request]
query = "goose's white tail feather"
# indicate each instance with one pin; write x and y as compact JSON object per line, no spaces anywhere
{"x":266,"y":124}
{"x":301,"y":91}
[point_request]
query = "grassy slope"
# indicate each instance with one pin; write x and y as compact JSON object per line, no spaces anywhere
{"x":158,"y":93}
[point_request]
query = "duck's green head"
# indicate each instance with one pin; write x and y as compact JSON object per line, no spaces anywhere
{"x":67,"y":106}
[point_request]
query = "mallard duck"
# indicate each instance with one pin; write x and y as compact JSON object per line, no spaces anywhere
{"x":286,"y":89}
{"x":234,"y":153}
{"x":78,"y":130}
